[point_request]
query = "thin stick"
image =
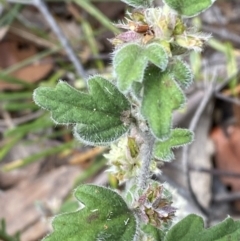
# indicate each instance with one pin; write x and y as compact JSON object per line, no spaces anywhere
{"x":227,"y":98}
{"x":227,"y":197}
{"x":21,"y":120}
{"x":215,"y":172}
{"x":186,"y":149}
{"x":57,"y":30}
{"x":196,"y":118}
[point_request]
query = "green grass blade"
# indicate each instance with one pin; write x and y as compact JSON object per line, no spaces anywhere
{"x":88,"y":7}
{"x":13,"y":80}
{"x":15,"y":95}
{"x":31,"y":60}
{"x":25,"y":161}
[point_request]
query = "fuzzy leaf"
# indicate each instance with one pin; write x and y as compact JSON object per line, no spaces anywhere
{"x":186,"y":230}
{"x":129,"y":64}
{"x":138,"y":3}
{"x":99,"y":117}
{"x":105,"y":216}
{"x":226,"y":230}
{"x":161,"y":96}
{"x":182,"y":73}
{"x":155,"y":233}
{"x":178,"y":137}
{"x":157,"y":55}
{"x":137,"y":90}
{"x":191,"y":228}
{"x":189,"y":8}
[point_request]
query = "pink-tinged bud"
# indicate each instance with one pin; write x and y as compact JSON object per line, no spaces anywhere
{"x":154,"y":206}
{"x":126,"y":37}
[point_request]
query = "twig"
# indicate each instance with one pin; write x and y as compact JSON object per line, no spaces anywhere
{"x":23,"y":119}
{"x":57,"y":30}
{"x":227,"y":98}
{"x":41,"y":5}
{"x":228,"y":197}
{"x":31,"y":37}
{"x":185,"y":153}
{"x":215,"y":172}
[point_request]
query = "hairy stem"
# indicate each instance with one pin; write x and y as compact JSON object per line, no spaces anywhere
{"x":148,"y":3}
{"x":146,"y":158}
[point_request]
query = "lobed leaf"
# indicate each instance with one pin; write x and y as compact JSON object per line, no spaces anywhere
{"x":226,"y":230}
{"x":105,"y":216}
{"x":99,"y":117}
{"x":189,"y":8}
{"x":101,"y":133}
{"x":129,"y":64}
{"x":155,"y":233}
{"x":186,"y":230}
{"x":179,"y":137}
{"x":182,"y":73}
{"x":191,"y":228}
{"x":157,"y":55}
{"x":161,"y":96}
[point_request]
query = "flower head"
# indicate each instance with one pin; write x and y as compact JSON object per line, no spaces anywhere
{"x":162,"y":25}
{"x":125,"y":161}
{"x":155,"y":207}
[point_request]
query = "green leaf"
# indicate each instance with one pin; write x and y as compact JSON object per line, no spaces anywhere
{"x":179,"y":137}
{"x":189,"y":8}
{"x":101,"y":133}
{"x":137,"y":90}
{"x":191,"y":228}
{"x":155,"y":233}
{"x":157,"y":55}
{"x":105,"y":216}
{"x":224,"y":231}
{"x":129,"y":64}
{"x":182,"y":73}
{"x":161,"y":96}
{"x":69,"y":206}
{"x":186,"y":230}
{"x":138,"y":3}
{"x":100,"y":117}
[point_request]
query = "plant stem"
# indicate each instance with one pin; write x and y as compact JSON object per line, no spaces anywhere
{"x":148,"y":3}
{"x":146,"y":158}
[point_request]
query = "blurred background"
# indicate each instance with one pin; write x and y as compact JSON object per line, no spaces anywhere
{"x":41,"y":163}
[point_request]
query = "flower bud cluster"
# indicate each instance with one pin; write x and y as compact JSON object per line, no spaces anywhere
{"x":124,"y":159}
{"x":162,"y":25}
{"x":154,"y":206}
